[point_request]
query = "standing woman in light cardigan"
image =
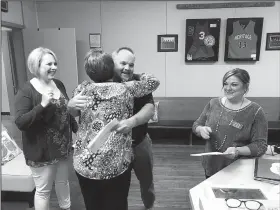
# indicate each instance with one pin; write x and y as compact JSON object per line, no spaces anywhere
{"x":232,"y":124}
{"x":46,"y":124}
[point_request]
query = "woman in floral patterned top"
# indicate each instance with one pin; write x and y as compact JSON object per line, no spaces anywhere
{"x":42,"y":116}
{"x":104,"y":176}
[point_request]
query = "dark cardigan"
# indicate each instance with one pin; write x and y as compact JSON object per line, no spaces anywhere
{"x":34,"y":120}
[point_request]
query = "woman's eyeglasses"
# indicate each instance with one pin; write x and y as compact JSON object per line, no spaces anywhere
{"x":249,"y":204}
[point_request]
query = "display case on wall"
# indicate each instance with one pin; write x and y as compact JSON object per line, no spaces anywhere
{"x":243,"y":39}
{"x":202,"y":40}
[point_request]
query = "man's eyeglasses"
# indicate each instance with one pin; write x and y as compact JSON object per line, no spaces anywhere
{"x":249,"y":204}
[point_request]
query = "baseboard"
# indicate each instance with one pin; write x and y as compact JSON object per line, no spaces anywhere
{"x":5,"y":113}
{"x":181,"y":136}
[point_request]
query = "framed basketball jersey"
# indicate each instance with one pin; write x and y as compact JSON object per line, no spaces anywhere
{"x":243,"y":39}
{"x":202,"y":39}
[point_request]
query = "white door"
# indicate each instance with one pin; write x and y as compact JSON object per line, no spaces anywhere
{"x":63,"y":43}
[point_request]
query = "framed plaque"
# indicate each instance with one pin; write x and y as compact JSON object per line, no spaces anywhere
{"x":167,"y":43}
{"x":95,"y":40}
{"x":272,"y":41}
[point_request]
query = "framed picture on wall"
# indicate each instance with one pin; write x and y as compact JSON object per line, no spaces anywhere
{"x":95,"y":40}
{"x":202,"y":39}
{"x":272,"y":41}
{"x":243,"y":39}
{"x":167,"y":43}
{"x":4,"y":6}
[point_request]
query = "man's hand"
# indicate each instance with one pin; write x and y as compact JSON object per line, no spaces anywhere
{"x":125,"y":126}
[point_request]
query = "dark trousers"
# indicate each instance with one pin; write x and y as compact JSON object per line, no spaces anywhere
{"x":143,"y":168}
{"x":109,"y":194}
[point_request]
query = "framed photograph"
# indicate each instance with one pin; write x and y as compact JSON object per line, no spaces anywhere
{"x":95,"y":40}
{"x":243,"y":39}
{"x":202,"y":39}
{"x":167,"y":43}
{"x":272,"y":41}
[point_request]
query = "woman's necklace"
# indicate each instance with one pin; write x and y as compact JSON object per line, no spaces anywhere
{"x":218,"y":125}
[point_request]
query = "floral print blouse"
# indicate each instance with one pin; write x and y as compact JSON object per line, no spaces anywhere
{"x":106,"y":102}
{"x":55,"y":134}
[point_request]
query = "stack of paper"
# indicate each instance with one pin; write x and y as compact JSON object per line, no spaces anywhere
{"x":267,"y":170}
{"x":102,"y":136}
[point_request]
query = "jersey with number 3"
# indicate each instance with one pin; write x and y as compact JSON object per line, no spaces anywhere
{"x":198,"y":48}
{"x":242,"y":41}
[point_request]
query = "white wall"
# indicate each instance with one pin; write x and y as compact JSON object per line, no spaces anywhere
{"x":137,"y":24}
{"x":14,"y":14}
{"x":5,"y":100}
{"x":205,"y":80}
{"x":83,"y":16}
{"x":29,"y":14}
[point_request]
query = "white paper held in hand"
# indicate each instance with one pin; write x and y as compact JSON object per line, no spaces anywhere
{"x":102,"y":136}
{"x":208,"y":153}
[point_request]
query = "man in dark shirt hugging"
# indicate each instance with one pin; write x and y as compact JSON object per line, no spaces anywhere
{"x":124,"y":60}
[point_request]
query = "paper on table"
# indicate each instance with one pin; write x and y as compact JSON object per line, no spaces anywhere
{"x":102,"y":136}
{"x":208,"y":153}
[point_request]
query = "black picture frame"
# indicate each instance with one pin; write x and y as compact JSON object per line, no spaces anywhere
{"x":202,"y":40}
{"x":95,"y":40}
{"x":167,"y":43}
{"x":4,"y":6}
{"x":272,"y":41}
{"x":243,"y":39}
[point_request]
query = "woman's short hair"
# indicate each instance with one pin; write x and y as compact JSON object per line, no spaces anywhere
{"x":99,"y":66}
{"x":35,"y":58}
{"x":241,"y":74}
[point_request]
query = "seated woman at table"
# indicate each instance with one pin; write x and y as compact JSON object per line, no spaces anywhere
{"x":232,"y":124}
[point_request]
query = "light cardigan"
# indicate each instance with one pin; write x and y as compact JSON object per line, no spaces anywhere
{"x":253,"y":133}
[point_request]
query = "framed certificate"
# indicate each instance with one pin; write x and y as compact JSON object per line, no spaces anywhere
{"x":272,"y":41}
{"x":167,"y":43}
{"x":95,"y":40}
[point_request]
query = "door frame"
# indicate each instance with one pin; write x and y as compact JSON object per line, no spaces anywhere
{"x":16,"y":71}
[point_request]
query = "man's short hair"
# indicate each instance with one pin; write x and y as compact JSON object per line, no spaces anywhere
{"x":125,"y":48}
{"x":99,"y":66}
